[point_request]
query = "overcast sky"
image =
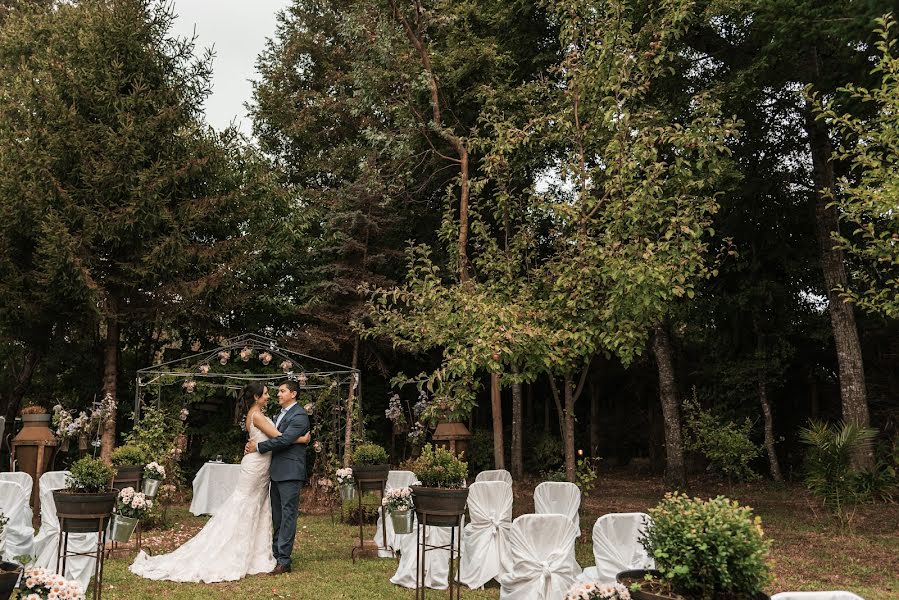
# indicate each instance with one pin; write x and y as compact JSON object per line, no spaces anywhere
{"x":236,"y":30}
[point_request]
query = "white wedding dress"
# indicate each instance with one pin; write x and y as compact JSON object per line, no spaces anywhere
{"x":237,"y":540}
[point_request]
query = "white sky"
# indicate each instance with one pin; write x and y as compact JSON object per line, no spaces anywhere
{"x":236,"y":30}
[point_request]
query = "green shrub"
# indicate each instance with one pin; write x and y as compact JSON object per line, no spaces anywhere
{"x":480,"y":450}
{"x":829,"y":474}
{"x":90,"y":475}
{"x":727,"y":446}
{"x":545,"y":454}
{"x":586,"y":474}
{"x":440,"y":468}
{"x":369,"y":454}
{"x":128,"y":455}
{"x":708,"y":550}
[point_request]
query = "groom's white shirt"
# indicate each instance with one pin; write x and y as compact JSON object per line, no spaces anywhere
{"x":284,"y":412}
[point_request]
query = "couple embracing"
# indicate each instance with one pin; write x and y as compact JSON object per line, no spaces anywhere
{"x":253,"y":532}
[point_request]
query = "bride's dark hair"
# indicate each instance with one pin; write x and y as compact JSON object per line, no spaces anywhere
{"x":248,"y":395}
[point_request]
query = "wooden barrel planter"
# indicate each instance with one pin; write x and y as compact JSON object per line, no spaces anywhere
{"x":627,"y":578}
{"x":439,"y":506}
{"x":9,"y":577}
{"x":370,"y":478}
{"x":81,"y":512}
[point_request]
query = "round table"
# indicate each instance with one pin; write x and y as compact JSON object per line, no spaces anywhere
{"x":212,"y":486}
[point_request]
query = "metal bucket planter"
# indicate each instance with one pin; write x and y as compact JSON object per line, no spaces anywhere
{"x":370,"y":478}
{"x":10,"y":573}
{"x":347,"y":491}
{"x":91,"y":506}
{"x":627,"y":578}
{"x":441,"y":505}
{"x":122,"y":528}
{"x":150,"y":487}
{"x":401,"y":520}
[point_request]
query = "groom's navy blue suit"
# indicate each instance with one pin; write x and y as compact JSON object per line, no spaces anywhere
{"x":288,"y":472}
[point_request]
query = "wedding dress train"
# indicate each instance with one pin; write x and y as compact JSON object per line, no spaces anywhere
{"x":237,"y":540}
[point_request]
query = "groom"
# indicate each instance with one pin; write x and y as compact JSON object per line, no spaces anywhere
{"x":287,"y":471}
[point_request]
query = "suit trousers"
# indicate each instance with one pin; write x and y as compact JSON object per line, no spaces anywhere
{"x":285,"y":497}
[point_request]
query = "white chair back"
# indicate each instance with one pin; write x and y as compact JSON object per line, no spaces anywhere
{"x":541,"y":550}
{"x":485,"y":553}
{"x":617,"y":547}
{"x":835,"y":595}
{"x":560,"y":498}
{"x":20,"y":477}
{"x":494,"y":475}
{"x":395,"y":480}
{"x":400,"y":479}
{"x":46,"y":542}
{"x":18,"y":534}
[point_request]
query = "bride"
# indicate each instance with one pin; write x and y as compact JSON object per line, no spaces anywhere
{"x":237,"y":540}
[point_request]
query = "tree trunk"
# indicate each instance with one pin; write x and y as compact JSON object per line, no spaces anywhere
{"x":20,"y":388}
{"x":350,"y":401}
{"x":529,"y":407}
{"x":594,"y":419}
{"x":546,"y":415}
{"x":110,"y":372}
{"x":570,"y":466}
{"x":496,"y":406}
{"x":675,"y":473}
{"x":842,"y":316}
{"x":517,"y":456}
{"x":769,"y":430}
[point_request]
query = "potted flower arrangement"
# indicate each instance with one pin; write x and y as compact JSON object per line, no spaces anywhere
{"x":131,"y":507}
{"x":442,"y":476}
{"x":87,"y":493}
{"x":346,"y":484}
{"x":589,"y":590}
{"x":39,"y":584}
{"x":370,"y":466}
{"x":703,"y":550}
{"x":398,"y":502}
{"x":129,"y":462}
{"x":154,"y":475}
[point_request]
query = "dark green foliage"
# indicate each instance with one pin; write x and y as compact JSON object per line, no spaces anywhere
{"x":726,"y":445}
{"x":828,"y":462}
{"x":480,"y":451}
{"x":708,"y":549}
{"x":369,"y":454}
{"x":89,"y":475}
{"x":545,"y":452}
{"x":128,"y":455}
{"x":438,"y":467}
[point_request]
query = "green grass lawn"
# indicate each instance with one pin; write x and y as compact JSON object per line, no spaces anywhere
{"x":809,"y":550}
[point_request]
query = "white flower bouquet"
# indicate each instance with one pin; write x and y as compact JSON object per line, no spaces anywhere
{"x":344,"y":476}
{"x":398,"y":499}
{"x":154,"y":470}
{"x":41,"y":584}
{"x":133,"y":504}
{"x":590,"y":590}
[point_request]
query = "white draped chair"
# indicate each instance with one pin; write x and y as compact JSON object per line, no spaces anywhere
{"x":836,"y":595}
{"x":47,"y":540}
{"x":485,"y":553}
{"x":560,"y":498}
{"x":541,"y":553}
{"x":617,"y":547}
{"x":20,"y":477}
{"x":436,"y":561}
{"x":494,"y":475}
{"x":14,"y":504}
{"x":395,"y":480}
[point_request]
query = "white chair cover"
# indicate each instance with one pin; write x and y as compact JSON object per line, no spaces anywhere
{"x":395,"y":480}
{"x":559,"y":498}
{"x":494,"y":475}
{"x":20,"y":477}
{"x":18,"y":534}
{"x":837,"y":595}
{"x":617,"y":547}
{"x":485,"y":553}
{"x":436,"y":561}
{"x":47,"y":540}
{"x":541,"y":551}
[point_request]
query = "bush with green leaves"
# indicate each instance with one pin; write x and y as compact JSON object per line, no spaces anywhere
{"x":480,"y":450}
{"x":727,"y":446}
{"x":128,"y":455}
{"x":708,"y":549}
{"x":438,"y":467}
{"x":89,"y":475}
{"x":546,"y":453}
{"x":369,"y":454}
{"x":829,"y":473}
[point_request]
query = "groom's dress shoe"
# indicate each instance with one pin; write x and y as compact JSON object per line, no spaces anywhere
{"x":280,"y":569}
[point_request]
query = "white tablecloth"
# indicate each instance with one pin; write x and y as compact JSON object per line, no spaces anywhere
{"x":212,"y":486}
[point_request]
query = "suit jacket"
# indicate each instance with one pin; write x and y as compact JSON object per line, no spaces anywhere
{"x":288,"y":459}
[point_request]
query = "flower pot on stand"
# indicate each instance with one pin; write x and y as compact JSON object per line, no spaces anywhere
{"x":441,"y":505}
{"x":73,"y":504}
{"x":370,"y":478}
{"x":122,"y":528}
{"x":401,"y":520}
{"x":627,"y":578}
{"x":150,"y":487}
{"x":9,"y":577}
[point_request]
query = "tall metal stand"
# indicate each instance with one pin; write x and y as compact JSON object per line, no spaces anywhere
{"x":422,"y":547}
{"x":62,"y":550}
{"x":370,"y":485}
